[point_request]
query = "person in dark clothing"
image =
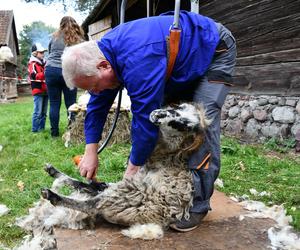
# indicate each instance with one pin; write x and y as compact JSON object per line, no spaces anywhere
{"x":135,"y":55}
{"x":38,"y":87}
{"x":68,"y":34}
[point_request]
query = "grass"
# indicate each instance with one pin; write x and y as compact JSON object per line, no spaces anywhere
{"x":256,"y":166}
{"x":24,"y":155}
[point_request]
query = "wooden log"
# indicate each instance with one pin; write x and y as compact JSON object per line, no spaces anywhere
{"x":292,"y":55}
{"x":277,"y":78}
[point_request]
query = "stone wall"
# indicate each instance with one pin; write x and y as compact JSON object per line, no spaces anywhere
{"x":257,"y":118}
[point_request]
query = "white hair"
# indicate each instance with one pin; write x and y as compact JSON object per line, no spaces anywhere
{"x":80,"y":60}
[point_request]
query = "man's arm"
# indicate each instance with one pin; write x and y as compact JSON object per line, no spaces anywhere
{"x":144,"y":78}
{"x":97,"y":111}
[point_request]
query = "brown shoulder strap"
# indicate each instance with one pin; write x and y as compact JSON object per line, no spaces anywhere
{"x":173,"y":48}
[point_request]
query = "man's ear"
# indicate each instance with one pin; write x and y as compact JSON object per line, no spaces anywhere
{"x":103,"y":64}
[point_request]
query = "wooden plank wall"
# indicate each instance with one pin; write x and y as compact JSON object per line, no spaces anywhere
{"x":8,"y":87}
{"x":98,"y":29}
{"x":268,"y":42}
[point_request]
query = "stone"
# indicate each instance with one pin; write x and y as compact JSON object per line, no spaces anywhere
{"x":285,"y":130}
{"x":262,"y":102}
{"x":283,"y":114}
{"x":260,"y":115}
{"x":298,"y":108}
{"x":246,"y":114}
{"x":266,"y":123}
{"x":230,"y":101}
{"x":291,"y":102}
{"x":223,"y":123}
{"x":241,"y":103}
{"x":281,"y":101}
{"x":271,"y":131}
{"x":253,"y":104}
{"x":224,"y":114}
{"x":234,"y":111}
{"x":234,"y":127}
{"x":270,"y":117}
{"x":264,"y":97}
{"x":252,"y":128}
{"x":273,"y":100}
{"x":268,"y":107}
{"x":295,"y":128}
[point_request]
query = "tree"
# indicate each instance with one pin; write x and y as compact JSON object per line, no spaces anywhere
{"x":79,"y":5}
{"x":30,"y":34}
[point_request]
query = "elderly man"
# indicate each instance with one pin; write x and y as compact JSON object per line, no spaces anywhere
{"x":134,"y":55}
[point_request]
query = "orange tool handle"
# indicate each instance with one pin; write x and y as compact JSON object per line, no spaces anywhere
{"x":77,"y":159}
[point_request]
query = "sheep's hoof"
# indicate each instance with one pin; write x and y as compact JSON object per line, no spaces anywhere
{"x":51,"y":196}
{"x":52,"y":171}
{"x":45,"y":193}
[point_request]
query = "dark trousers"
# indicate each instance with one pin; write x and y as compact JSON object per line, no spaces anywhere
{"x":211,"y":91}
{"x":56,"y":86}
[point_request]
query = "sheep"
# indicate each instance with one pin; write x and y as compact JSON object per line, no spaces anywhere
{"x":158,"y":195}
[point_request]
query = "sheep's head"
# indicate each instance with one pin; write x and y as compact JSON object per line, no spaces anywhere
{"x":182,"y":126}
{"x":177,"y":119}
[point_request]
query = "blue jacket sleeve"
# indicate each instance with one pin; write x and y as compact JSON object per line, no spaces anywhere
{"x":97,"y":111}
{"x":144,"y":77}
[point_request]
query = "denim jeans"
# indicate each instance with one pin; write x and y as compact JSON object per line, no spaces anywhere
{"x":39,"y":115}
{"x":56,"y":86}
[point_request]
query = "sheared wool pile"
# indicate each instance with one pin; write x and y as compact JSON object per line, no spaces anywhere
{"x":75,"y":133}
{"x":281,"y":235}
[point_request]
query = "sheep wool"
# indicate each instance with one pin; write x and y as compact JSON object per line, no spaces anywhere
{"x":146,"y":232}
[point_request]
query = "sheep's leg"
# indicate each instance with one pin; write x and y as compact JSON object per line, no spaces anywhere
{"x":93,"y":188}
{"x":86,"y":206}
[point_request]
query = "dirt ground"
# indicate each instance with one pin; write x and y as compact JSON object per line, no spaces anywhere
{"x":221,"y":229}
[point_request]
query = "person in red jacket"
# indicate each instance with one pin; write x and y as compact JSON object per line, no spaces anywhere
{"x":39,"y":88}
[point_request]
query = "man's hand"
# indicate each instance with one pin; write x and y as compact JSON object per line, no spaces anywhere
{"x":131,"y":170}
{"x":88,"y":165}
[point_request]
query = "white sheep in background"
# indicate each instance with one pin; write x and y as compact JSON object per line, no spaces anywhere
{"x":159,"y":194}
{"x":6,"y":54}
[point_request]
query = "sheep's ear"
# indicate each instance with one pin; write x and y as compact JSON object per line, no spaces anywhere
{"x":204,"y":121}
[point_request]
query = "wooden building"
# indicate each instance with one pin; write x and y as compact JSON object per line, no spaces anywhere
{"x":267,"y":34}
{"x":8,"y":67}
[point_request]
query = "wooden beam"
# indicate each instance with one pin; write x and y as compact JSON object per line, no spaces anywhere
{"x":195,"y":6}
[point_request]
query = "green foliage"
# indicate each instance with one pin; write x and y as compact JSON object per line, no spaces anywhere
{"x":35,"y":32}
{"x":281,"y":146}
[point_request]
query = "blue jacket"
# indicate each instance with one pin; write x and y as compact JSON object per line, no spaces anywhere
{"x":137,"y":51}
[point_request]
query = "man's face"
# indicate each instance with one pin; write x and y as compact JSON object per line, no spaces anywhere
{"x":104,"y":79}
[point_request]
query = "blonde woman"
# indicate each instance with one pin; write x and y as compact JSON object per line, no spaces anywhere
{"x":69,"y":33}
